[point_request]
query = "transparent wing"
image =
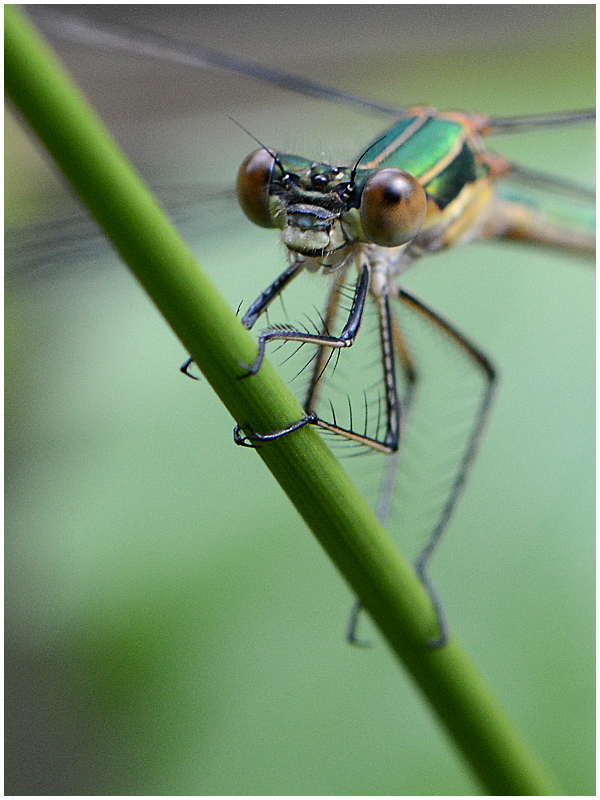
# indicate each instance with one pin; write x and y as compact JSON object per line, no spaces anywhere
{"x":44,"y":250}
{"x":111,"y":35}
{"x":115,"y":35}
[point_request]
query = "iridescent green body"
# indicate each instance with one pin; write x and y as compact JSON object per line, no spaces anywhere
{"x":433,"y":149}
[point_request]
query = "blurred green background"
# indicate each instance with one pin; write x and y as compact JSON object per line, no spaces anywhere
{"x":171,"y":626}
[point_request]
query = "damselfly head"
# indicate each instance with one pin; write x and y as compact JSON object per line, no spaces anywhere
{"x":308,"y":200}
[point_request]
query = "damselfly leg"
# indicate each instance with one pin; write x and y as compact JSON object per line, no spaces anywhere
{"x":394,"y":351}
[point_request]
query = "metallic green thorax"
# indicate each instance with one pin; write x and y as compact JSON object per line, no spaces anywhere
{"x":433,"y":150}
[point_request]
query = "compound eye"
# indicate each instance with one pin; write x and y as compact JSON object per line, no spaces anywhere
{"x":253,"y":182}
{"x":392,"y":207}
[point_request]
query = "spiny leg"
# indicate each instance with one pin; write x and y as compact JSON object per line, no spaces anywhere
{"x":345,"y":339}
{"x":389,"y":442}
{"x":262,"y":302}
{"x":260,"y":305}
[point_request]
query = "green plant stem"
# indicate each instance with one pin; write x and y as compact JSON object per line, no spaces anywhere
{"x":302,"y":464}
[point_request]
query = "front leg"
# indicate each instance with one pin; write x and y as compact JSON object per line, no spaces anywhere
{"x":259,"y":306}
{"x":262,"y":302}
{"x":345,"y":339}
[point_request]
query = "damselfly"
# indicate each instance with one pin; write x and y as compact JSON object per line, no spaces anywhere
{"x":425,"y":185}
{"x":454,"y":201}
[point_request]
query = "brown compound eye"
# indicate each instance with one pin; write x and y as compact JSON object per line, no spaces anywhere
{"x":253,"y":182}
{"x":392,"y":207}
